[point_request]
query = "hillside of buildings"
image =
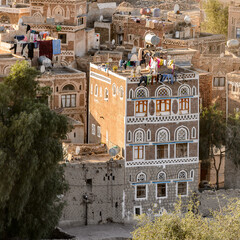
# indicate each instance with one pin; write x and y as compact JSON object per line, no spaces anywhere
{"x":151,"y":101}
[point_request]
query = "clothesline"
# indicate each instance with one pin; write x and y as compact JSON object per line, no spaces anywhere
{"x":47,"y":45}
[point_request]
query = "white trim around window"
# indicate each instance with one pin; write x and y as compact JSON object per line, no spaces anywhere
{"x":177,"y":188}
{"x":139,"y":153}
{"x":99,"y":131}
{"x":134,"y":210}
{"x":93,"y":129}
{"x":156,"y":190}
{"x":135,"y":195}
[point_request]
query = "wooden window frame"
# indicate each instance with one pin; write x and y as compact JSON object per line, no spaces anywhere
{"x":138,"y":149}
{"x":183,"y":102}
{"x":158,"y":149}
{"x":64,"y":98}
{"x":167,"y":107}
{"x":144,"y":104}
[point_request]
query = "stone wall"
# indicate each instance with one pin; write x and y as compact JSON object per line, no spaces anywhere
{"x":103,"y":183}
{"x":214,"y":200}
{"x":205,"y":88}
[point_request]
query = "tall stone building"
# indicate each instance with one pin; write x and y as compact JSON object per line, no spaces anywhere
{"x":156,"y":128}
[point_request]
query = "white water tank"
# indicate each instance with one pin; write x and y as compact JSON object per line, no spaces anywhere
{"x":233,"y":43}
{"x":152,"y":39}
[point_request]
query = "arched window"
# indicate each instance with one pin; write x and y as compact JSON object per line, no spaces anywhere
{"x":121,"y":92}
{"x":129,"y":136}
{"x":96,"y":90}
{"x":194,"y":132}
{"x":141,"y":177}
{"x":182,"y":175}
{"x":182,"y":134}
{"x":68,"y":87}
{"x":162,"y":136}
{"x":161,"y":176}
{"x":100,"y":91}
{"x":106,"y":94}
{"x":148,"y":135}
{"x":37,"y":15}
{"x":141,"y":93}
{"x":163,"y":91}
{"x":184,"y":90}
{"x":114,"y":89}
{"x":131,"y":93}
{"x":194,"y":91}
{"x":139,"y":136}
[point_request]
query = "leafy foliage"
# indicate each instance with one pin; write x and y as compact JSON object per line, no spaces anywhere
{"x":216,"y":17}
{"x":30,"y":150}
{"x":219,"y":136}
{"x":224,"y":224}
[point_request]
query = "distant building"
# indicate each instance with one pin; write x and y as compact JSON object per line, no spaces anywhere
{"x":65,"y":21}
{"x":12,"y":11}
{"x":234,"y":20}
{"x":69,"y":98}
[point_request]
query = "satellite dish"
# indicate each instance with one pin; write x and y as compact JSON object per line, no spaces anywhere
{"x":176,"y":8}
{"x":187,"y":19}
{"x":42,"y":69}
{"x":113,"y":42}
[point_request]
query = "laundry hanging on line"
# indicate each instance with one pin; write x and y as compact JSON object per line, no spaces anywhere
{"x":45,"y":49}
{"x":56,"y":46}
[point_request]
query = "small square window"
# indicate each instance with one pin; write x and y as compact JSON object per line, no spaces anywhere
{"x":80,"y":21}
{"x":63,"y":38}
{"x":137,"y":211}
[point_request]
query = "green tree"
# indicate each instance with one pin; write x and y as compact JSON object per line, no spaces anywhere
{"x":180,"y":225}
{"x":216,"y":17}
{"x":219,"y":138}
{"x":32,"y":180}
{"x":212,"y":138}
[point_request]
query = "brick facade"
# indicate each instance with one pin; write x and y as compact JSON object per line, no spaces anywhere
{"x":69,"y":96}
{"x":234,"y":20}
{"x":144,"y":134}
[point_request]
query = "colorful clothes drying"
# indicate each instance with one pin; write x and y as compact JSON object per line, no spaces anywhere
{"x":20,"y":37}
{"x":56,"y":45}
{"x":45,"y":49}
